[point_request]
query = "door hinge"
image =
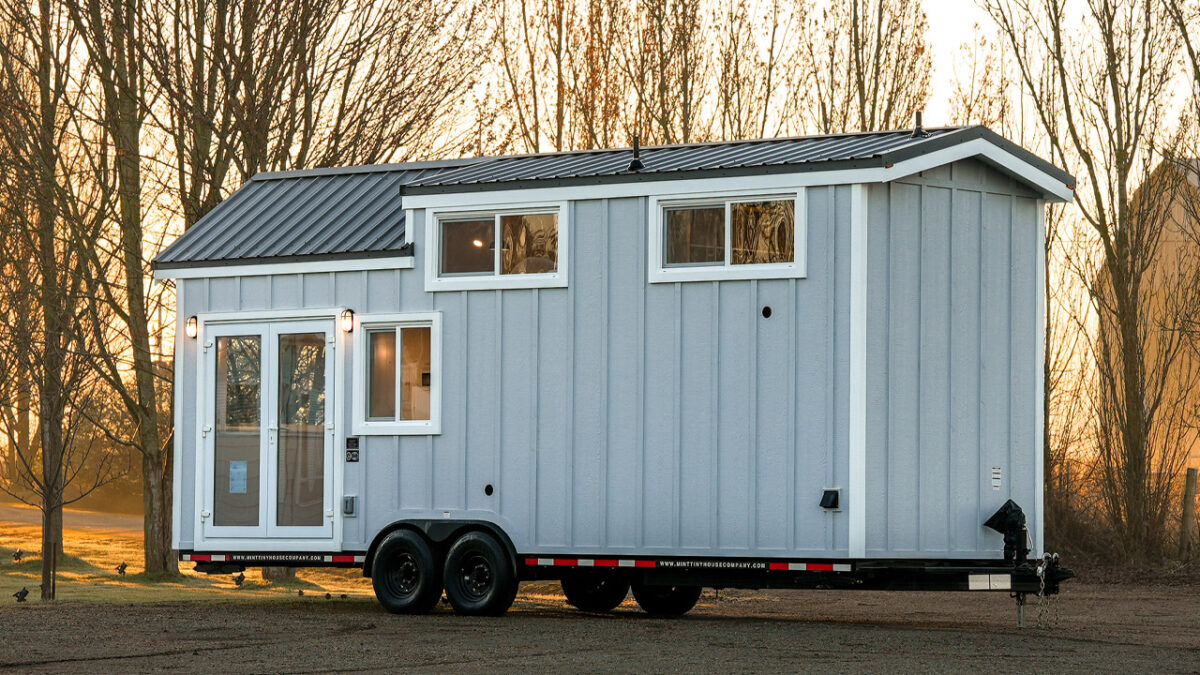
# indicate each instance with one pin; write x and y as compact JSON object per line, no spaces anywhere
{"x":204,"y":431}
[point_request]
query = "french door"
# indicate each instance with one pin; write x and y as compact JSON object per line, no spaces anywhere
{"x":267,"y":430}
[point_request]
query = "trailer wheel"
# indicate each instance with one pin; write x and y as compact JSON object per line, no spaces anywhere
{"x":405,"y":574}
{"x":595,"y":590}
{"x":666,"y":600}
{"x":480,"y":580}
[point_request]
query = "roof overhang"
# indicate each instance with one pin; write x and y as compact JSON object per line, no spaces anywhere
{"x":974,"y":143}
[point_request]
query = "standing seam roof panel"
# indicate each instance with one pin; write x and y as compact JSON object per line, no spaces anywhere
{"x":359,"y":210}
{"x":335,"y":194}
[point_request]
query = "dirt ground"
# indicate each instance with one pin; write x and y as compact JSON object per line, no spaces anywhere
{"x":1094,"y":628}
{"x":104,"y":622}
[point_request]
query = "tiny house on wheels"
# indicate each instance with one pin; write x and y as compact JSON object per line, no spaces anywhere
{"x":797,"y":362}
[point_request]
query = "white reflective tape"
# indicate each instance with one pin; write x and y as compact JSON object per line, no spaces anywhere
{"x":979,"y":582}
{"x":546,"y":561}
{"x":586,"y":563}
{"x":624,"y":563}
{"x":797,"y":567}
{"x":328,"y":558}
{"x":360,"y":558}
{"x":843,"y":568}
{"x":1001,"y":582}
{"x":220,"y":558}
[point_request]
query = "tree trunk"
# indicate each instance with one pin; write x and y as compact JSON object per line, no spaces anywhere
{"x":156,"y":524}
{"x":278,"y":573}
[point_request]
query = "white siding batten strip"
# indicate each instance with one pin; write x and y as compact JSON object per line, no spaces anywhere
{"x":857,"y":480}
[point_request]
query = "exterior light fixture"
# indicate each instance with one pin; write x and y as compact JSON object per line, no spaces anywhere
{"x":478,"y":243}
{"x":191,"y":327}
{"x":347,"y":320}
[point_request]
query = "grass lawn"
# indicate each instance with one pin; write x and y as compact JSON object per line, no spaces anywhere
{"x":88,"y":573}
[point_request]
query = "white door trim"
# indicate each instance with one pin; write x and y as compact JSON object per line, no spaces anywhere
{"x":214,"y":324}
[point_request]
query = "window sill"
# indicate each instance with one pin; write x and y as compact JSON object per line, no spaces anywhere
{"x":670,"y":275}
{"x":430,"y":428}
{"x":496,"y":282}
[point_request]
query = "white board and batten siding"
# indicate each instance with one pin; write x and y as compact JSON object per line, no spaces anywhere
{"x":617,"y":416}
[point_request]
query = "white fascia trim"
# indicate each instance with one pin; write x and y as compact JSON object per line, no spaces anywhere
{"x":310,"y":267}
{"x":857,"y":480}
{"x":1039,"y":394}
{"x":658,"y":273}
{"x":179,"y":357}
{"x":760,"y":183}
{"x":495,"y":281}
{"x":359,"y":424}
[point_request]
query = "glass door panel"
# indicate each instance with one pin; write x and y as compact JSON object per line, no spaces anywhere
{"x":267,"y":437}
{"x":300,"y":485}
{"x":237,"y":437}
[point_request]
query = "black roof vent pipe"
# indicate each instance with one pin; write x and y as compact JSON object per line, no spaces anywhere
{"x":636,"y":164}
{"x":918,"y":130}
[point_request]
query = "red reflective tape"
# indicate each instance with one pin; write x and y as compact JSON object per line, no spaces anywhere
{"x":201,"y":558}
{"x":565,"y":562}
{"x":778,"y":566}
{"x":819,"y":567}
{"x":531,"y":561}
{"x":343,"y":558}
{"x":606,"y":563}
{"x":644,"y":563}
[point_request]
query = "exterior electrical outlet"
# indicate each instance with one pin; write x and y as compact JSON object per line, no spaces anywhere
{"x":681,"y":360}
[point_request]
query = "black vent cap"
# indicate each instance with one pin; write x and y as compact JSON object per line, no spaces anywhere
{"x":829,"y":499}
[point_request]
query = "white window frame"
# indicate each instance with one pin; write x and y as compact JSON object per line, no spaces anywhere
{"x":365,"y":323}
{"x":434,"y":281}
{"x":659,"y":272}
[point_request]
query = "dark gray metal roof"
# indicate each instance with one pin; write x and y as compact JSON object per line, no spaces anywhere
{"x":356,"y":212}
{"x":804,"y":153}
{"x":314,"y":214}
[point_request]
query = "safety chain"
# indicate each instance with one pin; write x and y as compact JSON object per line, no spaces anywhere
{"x":1047,"y":615}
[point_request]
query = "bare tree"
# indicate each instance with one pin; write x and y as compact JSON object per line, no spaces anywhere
{"x":43,"y":277}
{"x":1100,"y":97}
{"x":246,"y":86}
{"x":867,"y":66}
{"x":112,"y":33}
{"x":757,"y":52}
{"x":667,"y":60}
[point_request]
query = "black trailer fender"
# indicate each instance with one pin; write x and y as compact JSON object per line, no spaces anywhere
{"x":441,"y":533}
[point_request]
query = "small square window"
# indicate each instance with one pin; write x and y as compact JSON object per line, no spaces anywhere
{"x":530,"y":243}
{"x":468,"y":246}
{"x":763,"y":232}
{"x":512,"y":247}
{"x":397,"y":388}
{"x":695,"y":236}
{"x":733,"y":237}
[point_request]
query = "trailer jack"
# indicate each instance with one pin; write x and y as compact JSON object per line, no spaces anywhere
{"x":1009,"y":521}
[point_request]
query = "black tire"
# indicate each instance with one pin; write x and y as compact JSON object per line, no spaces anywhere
{"x":479,"y":574}
{"x":666,"y":600}
{"x":595,"y":590}
{"x":406,"y":574}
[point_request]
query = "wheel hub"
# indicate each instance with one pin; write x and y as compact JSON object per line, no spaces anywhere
{"x":406,"y":575}
{"x":476,"y":576}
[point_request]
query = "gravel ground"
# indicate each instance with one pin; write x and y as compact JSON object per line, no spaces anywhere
{"x":1095,"y":629}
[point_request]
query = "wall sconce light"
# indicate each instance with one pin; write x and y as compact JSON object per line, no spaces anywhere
{"x":191,"y":327}
{"x":347,"y":320}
